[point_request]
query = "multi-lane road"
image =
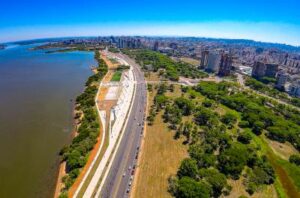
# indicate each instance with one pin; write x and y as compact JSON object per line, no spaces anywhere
{"x":120,"y":177}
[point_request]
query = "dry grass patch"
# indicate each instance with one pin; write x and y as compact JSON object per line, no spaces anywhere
{"x":191,"y":61}
{"x":284,"y":150}
{"x":152,"y":76}
{"x":238,"y":189}
{"x":161,"y":157}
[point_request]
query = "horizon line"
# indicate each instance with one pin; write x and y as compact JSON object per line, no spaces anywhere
{"x":137,"y":35}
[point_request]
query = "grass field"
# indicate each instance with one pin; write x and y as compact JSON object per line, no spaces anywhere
{"x":117,"y":76}
{"x":160,"y":159}
{"x":190,"y":61}
{"x":113,"y":61}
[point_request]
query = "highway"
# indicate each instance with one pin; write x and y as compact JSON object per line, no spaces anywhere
{"x":120,"y":177}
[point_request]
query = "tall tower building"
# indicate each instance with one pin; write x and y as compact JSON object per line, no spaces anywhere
{"x":225,"y":65}
{"x":156,"y":45}
{"x":281,"y":80}
{"x":204,"y":59}
{"x":271,"y":70}
{"x":258,"y":70}
{"x":213,"y":62}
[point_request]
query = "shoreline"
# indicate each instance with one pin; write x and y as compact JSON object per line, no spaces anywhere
{"x":61,"y":171}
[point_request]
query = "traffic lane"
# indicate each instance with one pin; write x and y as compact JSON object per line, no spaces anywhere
{"x":121,"y":183}
{"x":126,"y":183}
{"x":141,"y":91}
{"x":114,"y":174}
{"x":131,"y":160}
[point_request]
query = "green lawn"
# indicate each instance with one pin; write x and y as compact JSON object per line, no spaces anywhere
{"x":117,"y":76}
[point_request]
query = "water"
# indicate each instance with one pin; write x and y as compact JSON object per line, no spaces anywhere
{"x":36,"y":116}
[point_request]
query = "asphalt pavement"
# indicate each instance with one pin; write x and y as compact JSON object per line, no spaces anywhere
{"x":121,"y":174}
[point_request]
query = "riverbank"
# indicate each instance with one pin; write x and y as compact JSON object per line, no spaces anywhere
{"x":62,"y":166}
{"x":77,"y":154}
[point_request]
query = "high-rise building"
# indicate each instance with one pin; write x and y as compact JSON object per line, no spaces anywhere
{"x":258,"y":70}
{"x":271,"y":70}
{"x":225,"y":65}
{"x":155,"y":46}
{"x":204,"y":59}
{"x":213,"y":62}
{"x":281,"y":80}
{"x":261,"y":69}
{"x":216,"y":62}
{"x":295,"y":89}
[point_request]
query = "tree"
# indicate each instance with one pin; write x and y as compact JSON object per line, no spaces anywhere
{"x":295,"y":159}
{"x":185,"y":105}
{"x":229,"y":119}
{"x":204,"y":160}
{"x":216,"y":179}
{"x":232,"y":160}
{"x":188,"y":167}
{"x":245,"y":137}
{"x":258,"y":127}
{"x":190,"y":188}
{"x":243,"y":124}
{"x":277,"y":133}
{"x":208,"y":103}
{"x":161,"y":101}
{"x":206,"y":117}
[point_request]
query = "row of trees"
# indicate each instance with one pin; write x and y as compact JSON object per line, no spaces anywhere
{"x":263,"y":88}
{"x":155,"y":61}
{"x":76,"y":154}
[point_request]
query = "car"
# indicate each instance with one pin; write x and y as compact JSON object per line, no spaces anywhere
{"x":131,"y":178}
{"x":132,"y":172}
{"x":129,"y":183}
{"x":128,"y":190}
{"x":129,"y":168}
{"x":124,"y":174}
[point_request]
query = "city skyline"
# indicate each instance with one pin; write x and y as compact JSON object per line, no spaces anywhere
{"x":269,"y":21}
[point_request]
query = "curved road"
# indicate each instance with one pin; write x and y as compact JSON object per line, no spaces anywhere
{"x":120,"y":176}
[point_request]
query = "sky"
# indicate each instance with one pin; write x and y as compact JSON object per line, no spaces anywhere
{"x":262,"y":20}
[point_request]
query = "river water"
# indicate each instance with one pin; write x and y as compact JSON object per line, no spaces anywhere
{"x":36,"y":93}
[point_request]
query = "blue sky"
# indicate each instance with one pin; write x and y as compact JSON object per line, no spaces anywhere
{"x":263,"y":20}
